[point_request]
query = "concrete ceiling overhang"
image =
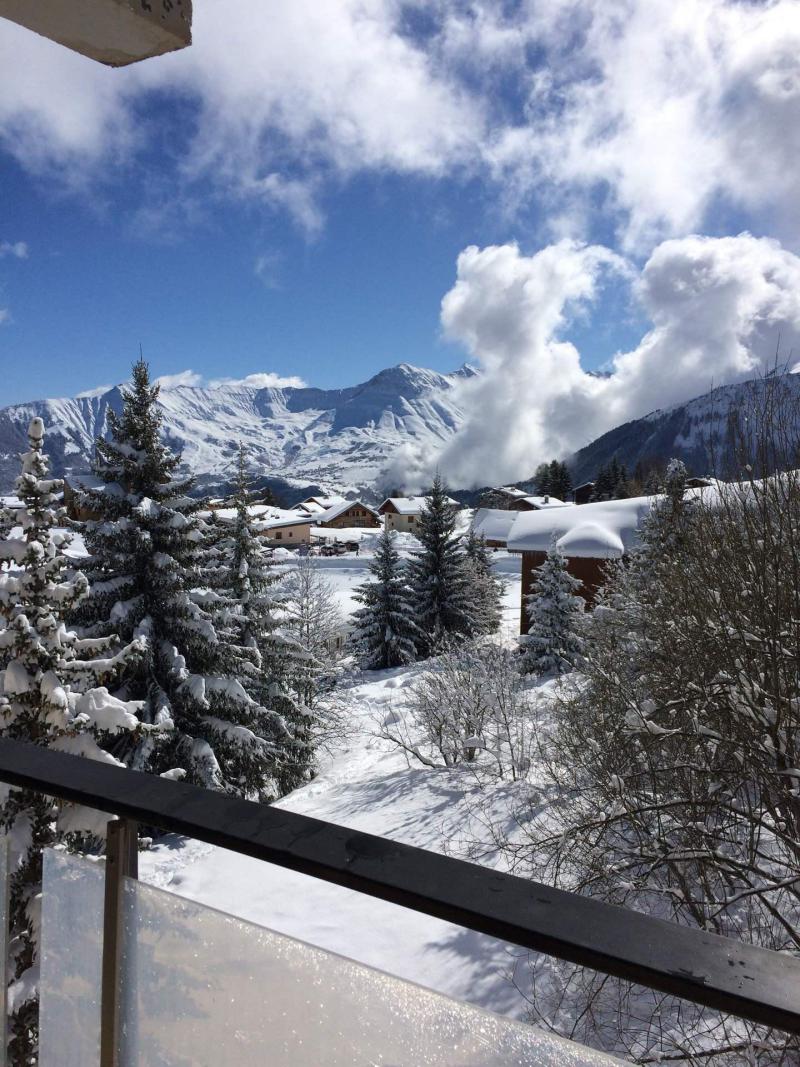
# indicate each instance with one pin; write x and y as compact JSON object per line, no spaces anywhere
{"x":114,"y":32}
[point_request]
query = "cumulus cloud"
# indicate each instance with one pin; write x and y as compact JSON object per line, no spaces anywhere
{"x":266,"y":380}
{"x":670,"y":105}
{"x":17,"y":249}
{"x":718,"y":308}
{"x":661,"y":109}
{"x":283,"y":96}
{"x":259,"y":380}
{"x":182,"y":378}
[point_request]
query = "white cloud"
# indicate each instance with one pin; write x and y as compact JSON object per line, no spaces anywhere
{"x":182,"y":378}
{"x":99,"y":390}
{"x":657,"y":107}
{"x":718,"y":308}
{"x":669,"y":104}
{"x":264,"y":380}
{"x":259,"y":380}
{"x":5,"y":316}
{"x":267,"y":269}
{"x":283,"y":96}
{"x":17,"y":249}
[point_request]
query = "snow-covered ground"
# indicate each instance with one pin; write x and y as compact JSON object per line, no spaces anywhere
{"x":369,"y":786}
{"x":345,"y":573}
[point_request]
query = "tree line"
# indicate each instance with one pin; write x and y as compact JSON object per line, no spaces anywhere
{"x":173,"y":647}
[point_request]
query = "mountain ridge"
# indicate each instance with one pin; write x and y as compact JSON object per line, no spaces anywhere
{"x":340,"y":438}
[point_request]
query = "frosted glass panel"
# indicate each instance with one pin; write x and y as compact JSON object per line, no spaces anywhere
{"x":205,"y":989}
{"x":71,"y":949}
{"x":3,"y":941}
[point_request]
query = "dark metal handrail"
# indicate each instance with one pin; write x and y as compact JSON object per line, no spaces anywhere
{"x":718,"y":972}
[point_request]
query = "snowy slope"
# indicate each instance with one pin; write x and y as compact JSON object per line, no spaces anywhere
{"x":367,"y":785}
{"x":339,"y":438}
{"x":682,"y":430}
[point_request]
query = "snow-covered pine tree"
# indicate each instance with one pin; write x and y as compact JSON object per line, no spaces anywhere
{"x":440,"y":576}
{"x":553,"y":644}
{"x":314,"y":621}
{"x":385,"y":632}
{"x":486,"y":587}
{"x":49,"y":696}
{"x":146,"y":544}
{"x":258,"y":589}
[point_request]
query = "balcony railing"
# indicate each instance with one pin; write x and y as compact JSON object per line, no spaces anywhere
{"x":164,"y":980}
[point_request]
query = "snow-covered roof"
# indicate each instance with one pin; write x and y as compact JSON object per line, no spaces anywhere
{"x":317,"y":504}
{"x":542,"y":502}
{"x":606,"y":529}
{"x":257,"y":511}
{"x":510,"y":490}
{"x":494,"y":524}
{"x":339,"y":509}
{"x":85,"y":481}
{"x":410,"y":505}
{"x":275,"y":524}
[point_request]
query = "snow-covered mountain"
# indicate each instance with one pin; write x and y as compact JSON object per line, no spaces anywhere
{"x":682,"y":430}
{"x":338,"y":438}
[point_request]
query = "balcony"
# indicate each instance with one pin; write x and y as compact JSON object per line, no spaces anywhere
{"x":131,"y":974}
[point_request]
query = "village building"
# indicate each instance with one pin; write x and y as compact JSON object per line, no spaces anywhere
{"x":538,"y":503}
{"x":316,"y":505}
{"x":589,"y":537}
{"x":347,"y":515}
{"x":509,"y":498}
{"x":402,"y":513}
{"x":494,"y":525}
{"x":286,"y":532}
{"x":583,"y":493}
{"x":74,"y":486}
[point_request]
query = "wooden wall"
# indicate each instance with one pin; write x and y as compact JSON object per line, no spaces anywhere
{"x":590,"y":571}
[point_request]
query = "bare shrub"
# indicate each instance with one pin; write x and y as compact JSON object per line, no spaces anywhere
{"x":676,"y":755}
{"x":469,"y":707}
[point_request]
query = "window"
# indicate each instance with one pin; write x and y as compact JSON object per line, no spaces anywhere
{"x":278,"y":535}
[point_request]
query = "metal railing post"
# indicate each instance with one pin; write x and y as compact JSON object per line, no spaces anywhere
{"x":5,"y":893}
{"x":122,"y":860}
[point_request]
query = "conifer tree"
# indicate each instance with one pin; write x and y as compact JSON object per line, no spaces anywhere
{"x":149,"y":560}
{"x":553,"y":479}
{"x":611,"y":482}
{"x":486,"y":587}
{"x":560,"y":480}
{"x":440,"y":576}
{"x":386,"y":634}
{"x":49,"y":696}
{"x":259,"y":592}
{"x":541,"y":479}
{"x":553,"y":643}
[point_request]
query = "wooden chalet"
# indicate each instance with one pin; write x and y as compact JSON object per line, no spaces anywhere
{"x":401,"y":513}
{"x":348,"y":514}
{"x":589,"y":537}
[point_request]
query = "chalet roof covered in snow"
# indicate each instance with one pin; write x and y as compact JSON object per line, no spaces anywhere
{"x":265,"y":516}
{"x":408,"y":505}
{"x":339,"y":509}
{"x":606,"y":529}
{"x":317,"y":504}
{"x":542,"y":502}
{"x":494,"y":524}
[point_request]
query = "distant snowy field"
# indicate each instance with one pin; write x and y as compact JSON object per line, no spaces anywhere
{"x":369,"y":786}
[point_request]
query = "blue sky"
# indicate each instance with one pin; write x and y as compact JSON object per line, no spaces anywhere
{"x":242,"y":289}
{"x":292,"y":195}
